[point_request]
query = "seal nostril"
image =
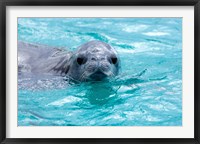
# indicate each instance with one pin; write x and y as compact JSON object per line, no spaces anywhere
{"x":114,"y":60}
{"x":94,"y":59}
{"x":80,"y":60}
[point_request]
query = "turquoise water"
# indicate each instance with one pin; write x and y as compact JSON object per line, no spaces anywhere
{"x":147,"y":92}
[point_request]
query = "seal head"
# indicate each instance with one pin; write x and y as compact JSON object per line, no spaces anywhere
{"x":93,"y":61}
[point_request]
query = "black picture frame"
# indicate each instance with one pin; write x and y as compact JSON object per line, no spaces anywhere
{"x":5,"y":3}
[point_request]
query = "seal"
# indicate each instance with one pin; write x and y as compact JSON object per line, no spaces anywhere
{"x":92,"y":61}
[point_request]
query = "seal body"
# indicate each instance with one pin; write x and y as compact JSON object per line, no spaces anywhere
{"x":40,"y":59}
{"x":94,"y":60}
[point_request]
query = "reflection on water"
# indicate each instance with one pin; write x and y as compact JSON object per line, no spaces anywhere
{"x":100,"y":93}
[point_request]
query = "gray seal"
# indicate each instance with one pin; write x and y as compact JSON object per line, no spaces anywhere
{"x":92,"y":61}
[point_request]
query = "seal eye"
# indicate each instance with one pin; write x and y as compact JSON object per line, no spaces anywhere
{"x":80,"y":60}
{"x":114,"y":60}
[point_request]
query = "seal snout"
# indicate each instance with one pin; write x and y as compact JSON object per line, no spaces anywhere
{"x":98,"y":67}
{"x":98,"y":75}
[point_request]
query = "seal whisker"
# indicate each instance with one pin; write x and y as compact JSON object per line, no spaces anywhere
{"x":83,"y":76}
{"x":72,"y":79}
